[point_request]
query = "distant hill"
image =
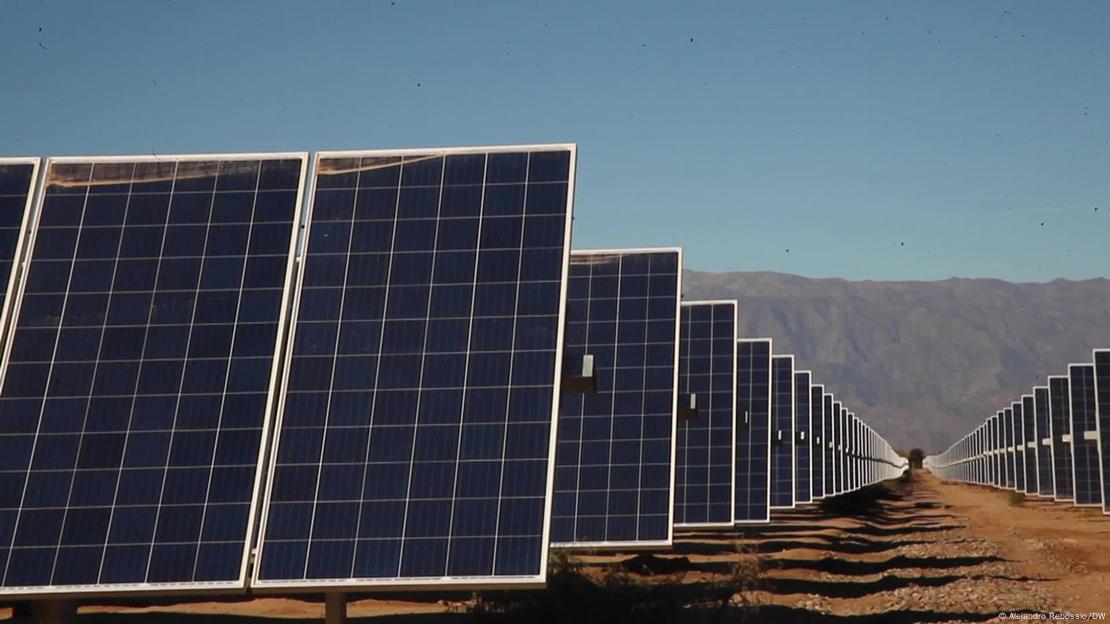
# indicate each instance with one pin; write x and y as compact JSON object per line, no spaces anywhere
{"x":922,"y":362}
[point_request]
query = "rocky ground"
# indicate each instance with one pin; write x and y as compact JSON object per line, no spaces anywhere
{"x":918,"y":550}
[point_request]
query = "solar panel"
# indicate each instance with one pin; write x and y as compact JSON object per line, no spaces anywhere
{"x":829,"y":446}
{"x":1084,"y":436}
{"x":1043,"y":441}
{"x":839,"y":413}
{"x":753,"y":431}
{"x":17,"y":187}
{"x":853,"y":451}
{"x":803,"y":467}
{"x":1102,"y":401}
{"x":615,"y":457}
{"x":782,"y":432}
{"x":1059,"y":410}
{"x":704,"y":471}
{"x":1029,"y":443}
{"x":817,"y":445}
{"x":995,"y":442}
{"x":1007,"y":416}
{"x":139,"y":377}
{"x":1019,"y":446}
{"x":415,"y":425}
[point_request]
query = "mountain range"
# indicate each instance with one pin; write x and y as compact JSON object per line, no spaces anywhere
{"x":921,"y":362}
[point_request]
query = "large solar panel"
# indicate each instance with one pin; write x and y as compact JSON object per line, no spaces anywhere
{"x":803,"y":438}
{"x":829,"y":445}
{"x":753,"y":431}
{"x":139,"y":377}
{"x":782,"y":432}
{"x":838,"y":448}
{"x":817,"y":444}
{"x":704,"y":472}
{"x":1102,"y":401}
{"x":615,"y":457}
{"x":415,"y":426}
{"x":1011,"y":461}
{"x":17,"y":189}
{"x":1059,"y":411}
{"x":1029,"y":442}
{"x":1043,"y":442}
{"x":1019,"y":446}
{"x":1084,"y":436}
{"x":999,"y":445}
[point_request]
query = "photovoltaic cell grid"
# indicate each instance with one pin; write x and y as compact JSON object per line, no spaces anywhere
{"x":828,"y":446}
{"x":753,"y":431}
{"x":1086,"y":472}
{"x":17,"y":185}
{"x":1019,"y":446}
{"x":782,"y":432}
{"x":703,"y":454}
{"x":1059,"y":410}
{"x":1102,"y":393}
{"x":138,"y":379}
{"x":1029,"y":421}
{"x":817,"y":444}
{"x":615,"y":457}
{"x":839,"y":485}
{"x":1011,"y":461}
{"x":803,"y":467}
{"x":1043,"y":442}
{"x":417,"y":404}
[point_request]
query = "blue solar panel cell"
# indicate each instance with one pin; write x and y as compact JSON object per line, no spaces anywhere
{"x":614,"y":460}
{"x":415,"y":425}
{"x":1059,"y":410}
{"x":782,"y":432}
{"x":704,"y":457}
{"x":817,"y":444}
{"x":1086,"y":472}
{"x":137,"y":383}
{"x":803,"y":438}
{"x":753,"y":431}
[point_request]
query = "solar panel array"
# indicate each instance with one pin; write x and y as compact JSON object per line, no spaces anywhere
{"x":381,"y":369}
{"x":704,"y":471}
{"x":615,"y":456}
{"x":1050,"y":444}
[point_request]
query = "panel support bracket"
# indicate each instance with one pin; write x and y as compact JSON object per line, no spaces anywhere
{"x":335,"y":608}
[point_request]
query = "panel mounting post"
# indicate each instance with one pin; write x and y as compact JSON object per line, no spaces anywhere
{"x":54,"y":611}
{"x":335,"y":608}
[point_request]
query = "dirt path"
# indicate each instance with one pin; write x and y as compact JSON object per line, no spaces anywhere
{"x":913,"y":551}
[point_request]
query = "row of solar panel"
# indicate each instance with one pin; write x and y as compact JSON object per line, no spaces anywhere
{"x":789,"y":442}
{"x":1052,"y":443}
{"x":367,"y":392}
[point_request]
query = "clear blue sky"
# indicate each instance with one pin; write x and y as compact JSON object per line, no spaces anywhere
{"x":874,"y":140}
